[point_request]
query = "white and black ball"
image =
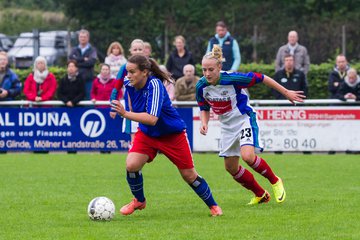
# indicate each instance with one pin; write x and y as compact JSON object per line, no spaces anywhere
{"x":101,"y":208}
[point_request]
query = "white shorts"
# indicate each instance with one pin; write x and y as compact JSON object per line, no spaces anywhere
{"x":237,"y":132}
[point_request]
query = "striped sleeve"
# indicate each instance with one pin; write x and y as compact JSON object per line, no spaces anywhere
{"x":119,"y":83}
{"x":122,"y":73}
{"x":202,"y":103}
{"x":155,"y":97}
{"x":241,"y":80}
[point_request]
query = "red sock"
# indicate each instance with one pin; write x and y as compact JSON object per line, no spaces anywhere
{"x":245,"y":178}
{"x":264,"y":169}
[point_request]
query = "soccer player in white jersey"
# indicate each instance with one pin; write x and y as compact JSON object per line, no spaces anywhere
{"x":224,"y":93}
{"x":160,"y":129}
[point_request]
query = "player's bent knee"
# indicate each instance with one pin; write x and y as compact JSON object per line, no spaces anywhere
{"x":248,"y":158}
{"x":231,"y":168}
{"x":133,"y":167}
{"x":189,"y":175}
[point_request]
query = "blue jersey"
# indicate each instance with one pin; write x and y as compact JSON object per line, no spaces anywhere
{"x":154,"y":100}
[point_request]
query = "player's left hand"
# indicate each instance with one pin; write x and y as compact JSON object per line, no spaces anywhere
{"x":295,"y":96}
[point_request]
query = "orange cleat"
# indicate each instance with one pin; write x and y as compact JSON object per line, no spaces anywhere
{"x":132,"y":206}
{"x":215,"y":211}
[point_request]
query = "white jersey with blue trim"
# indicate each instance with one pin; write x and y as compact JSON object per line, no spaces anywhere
{"x":154,"y":100}
{"x":228,"y":97}
{"x":230,"y":101}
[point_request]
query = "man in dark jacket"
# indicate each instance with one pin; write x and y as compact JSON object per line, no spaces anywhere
{"x":10,"y":86}
{"x":337,"y":76}
{"x":290,"y":78}
{"x":85,"y":55}
{"x":72,"y":87}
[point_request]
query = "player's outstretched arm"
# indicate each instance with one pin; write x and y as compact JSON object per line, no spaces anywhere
{"x":292,"y":96}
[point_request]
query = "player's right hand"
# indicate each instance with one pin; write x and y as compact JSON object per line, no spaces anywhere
{"x":203,"y":129}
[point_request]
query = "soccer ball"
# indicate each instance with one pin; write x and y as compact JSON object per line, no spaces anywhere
{"x":101,"y":208}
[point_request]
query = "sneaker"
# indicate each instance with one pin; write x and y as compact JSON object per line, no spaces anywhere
{"x":263,"y":199}
{"x":279,"y":191}
{"x":132,"y":206}
{"x":215,"y":211}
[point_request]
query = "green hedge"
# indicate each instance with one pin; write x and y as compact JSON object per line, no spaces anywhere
{"x":317,"y":78}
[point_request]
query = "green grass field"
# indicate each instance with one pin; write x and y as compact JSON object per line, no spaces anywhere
{"x":45,"y":196}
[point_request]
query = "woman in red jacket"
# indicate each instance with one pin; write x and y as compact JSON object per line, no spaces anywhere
{"x":102,"y":85}
{"x":41,"y":84}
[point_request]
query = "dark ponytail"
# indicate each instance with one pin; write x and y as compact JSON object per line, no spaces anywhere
{"x":150,"y":64}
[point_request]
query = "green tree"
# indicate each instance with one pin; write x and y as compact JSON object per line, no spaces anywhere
{"x":318,"y":22}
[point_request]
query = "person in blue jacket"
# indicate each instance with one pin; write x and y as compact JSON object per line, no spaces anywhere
{"x":10,"y":86}
{"x":229,"y":46}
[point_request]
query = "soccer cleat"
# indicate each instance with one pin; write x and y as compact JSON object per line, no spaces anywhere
{"x":279,"y":191}
{"x":132,"y":206}
{"x":215,"y":211}
{"x":263,"y":199}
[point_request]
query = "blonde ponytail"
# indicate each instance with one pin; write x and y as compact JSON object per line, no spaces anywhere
{"x":216,"y":53}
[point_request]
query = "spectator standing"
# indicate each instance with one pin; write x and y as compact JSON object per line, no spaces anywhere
{"x":41,"y":84}
{"x":147,"y":49}
{"x":300,"y":53}
{"x":185,"y":87}
{"x":85,"y":55}
{"x":72,"y":87}
{"x":103,"y":85}
{"x":10,"y":86}
{"x":337,"y":76}
{"x":169,"y":85}
{"x":179,"y":58}
{"x":229,"y":45}
{"x":115,"y":58}
{"x":137,"y":46}
{"x":290,"y":78}
{"x":350,"y":87}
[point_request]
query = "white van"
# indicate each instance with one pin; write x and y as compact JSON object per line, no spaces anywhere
{"x":53,"y":46}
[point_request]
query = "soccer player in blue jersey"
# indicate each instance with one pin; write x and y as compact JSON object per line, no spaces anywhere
{"x":137,"y":47}
{"x":160,"y":129}
{"x":224,"y":93}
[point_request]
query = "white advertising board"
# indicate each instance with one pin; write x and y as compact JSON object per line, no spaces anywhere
{"x":292,"y":129}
